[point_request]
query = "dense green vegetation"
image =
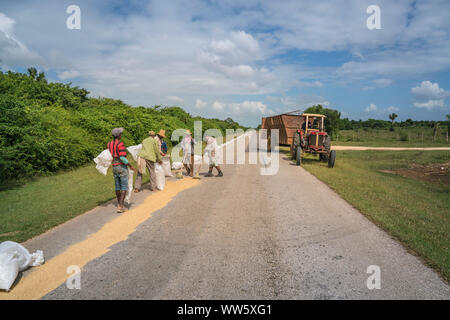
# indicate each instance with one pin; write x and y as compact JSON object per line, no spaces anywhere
{"x":46,"y":127}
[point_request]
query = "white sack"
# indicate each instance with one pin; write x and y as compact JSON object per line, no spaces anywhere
{"x":160,"y":177}
{"x":166,"y":167}
{"x":14,"y":258}
{"x":9,"y":269}
{"x":177,"y":165}
{"x":103,"y":161}
{"x":198,"y":159}
{"x":134,"y":150}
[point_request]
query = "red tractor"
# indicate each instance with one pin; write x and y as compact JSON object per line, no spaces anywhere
{"x":311,"y":138}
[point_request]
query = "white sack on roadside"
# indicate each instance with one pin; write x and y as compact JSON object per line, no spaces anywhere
{"x":166,"y":166}
{"x":177,"y":165}
{"x":103,"y":161}
{"x":9,"y":269}
{"x":160,"y":176}
{"x":134,"y":150}
{"x":198,"y":159}
{"x":13,"y":259}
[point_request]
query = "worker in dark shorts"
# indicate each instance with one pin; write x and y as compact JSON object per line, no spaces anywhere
{"x":120,"y":167}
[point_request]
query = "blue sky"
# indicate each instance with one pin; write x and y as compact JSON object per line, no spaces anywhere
{"x":242,"y":59}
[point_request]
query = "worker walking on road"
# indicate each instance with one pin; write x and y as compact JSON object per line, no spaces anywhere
{"x":160,"y":139}
{"x":119,"y":167}
{"x":188,"y":153}
{"x":150,"y":152}
{"x":211,"y":152}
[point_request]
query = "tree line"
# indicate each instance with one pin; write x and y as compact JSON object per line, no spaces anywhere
{"x":334,"y":123}
{"x":46,"y":126}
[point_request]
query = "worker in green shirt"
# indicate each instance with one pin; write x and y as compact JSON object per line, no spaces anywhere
{"x":150,"y":152}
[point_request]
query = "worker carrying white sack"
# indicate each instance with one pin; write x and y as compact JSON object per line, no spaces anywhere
{"x":210,"y":154}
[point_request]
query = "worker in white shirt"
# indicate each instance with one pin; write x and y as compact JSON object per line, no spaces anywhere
{"x":211,"y":152}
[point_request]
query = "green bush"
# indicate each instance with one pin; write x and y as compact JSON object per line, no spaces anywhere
{"x":46,"y":127}
{"x":403,"y":136}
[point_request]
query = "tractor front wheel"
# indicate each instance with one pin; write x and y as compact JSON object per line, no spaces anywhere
{"x":298,"y":155}
{"x":331,"y":159}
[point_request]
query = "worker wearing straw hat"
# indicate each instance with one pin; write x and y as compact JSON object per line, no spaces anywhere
{"x":159,"y":138}
{"x":150,"y":152}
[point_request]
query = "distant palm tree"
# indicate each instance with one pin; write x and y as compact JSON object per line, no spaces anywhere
{"x":392,"y":116}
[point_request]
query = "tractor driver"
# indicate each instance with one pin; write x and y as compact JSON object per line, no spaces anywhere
{"x":315,"y":124}
{"x":304,"y":124}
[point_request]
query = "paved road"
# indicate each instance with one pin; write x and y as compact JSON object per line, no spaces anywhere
{"x":248,"y":236}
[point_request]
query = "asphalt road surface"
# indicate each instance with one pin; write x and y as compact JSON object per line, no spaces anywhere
{"x":246,"y":236}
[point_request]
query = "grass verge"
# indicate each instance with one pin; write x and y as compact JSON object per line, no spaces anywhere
{"x":401,"y":137}
{"x":415,"y":212}
{"x":38,"y":205}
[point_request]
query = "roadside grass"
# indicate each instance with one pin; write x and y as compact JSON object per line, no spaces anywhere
{"x":415,"y":212}
{"x":401,"y":137}
{"x":40,"y":204}
{"x":33,"y":206}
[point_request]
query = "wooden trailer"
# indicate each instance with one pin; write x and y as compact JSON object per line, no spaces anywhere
{"x":286,"y":123}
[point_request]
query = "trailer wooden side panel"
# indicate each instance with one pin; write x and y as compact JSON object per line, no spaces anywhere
{"x":286,"y":124}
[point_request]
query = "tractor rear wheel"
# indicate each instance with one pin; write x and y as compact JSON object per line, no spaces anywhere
{"x":298,"y":155}
{"x":331,"y":159}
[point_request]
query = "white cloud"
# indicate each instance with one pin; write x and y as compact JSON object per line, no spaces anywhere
{"x":175,"y":99}
{"x":251,"y":107}
{"x":200,"y":104}
{"x":218,"y":106}
{"x":233,"y":58}
{"x":6,"y":24}
{"x":298,"y":102}
{"x":68,"y":74}
{"x":392,"y":109}
{"x":310,"y":84}
{"x":428,"y":95}
{"x":371,"y":108}
{"x":374,"y":110}
{"x":12,"y":51}
{"x":379,"y":83}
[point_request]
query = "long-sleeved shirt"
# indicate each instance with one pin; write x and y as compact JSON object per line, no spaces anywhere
{"x":150,"y":150}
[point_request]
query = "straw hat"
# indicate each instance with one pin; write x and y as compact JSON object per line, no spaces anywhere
{"x":151,"y":133}
{"x":188,"y":132}
{"x":162,"y":133}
